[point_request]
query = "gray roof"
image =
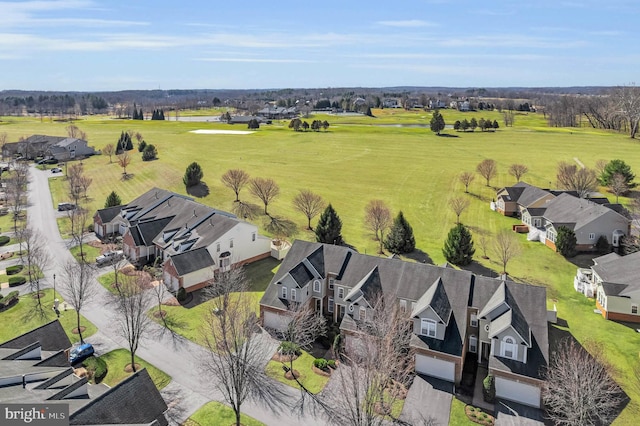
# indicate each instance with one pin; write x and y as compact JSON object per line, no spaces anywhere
{"x":193,"y":260}
{"x":566,"y":209}
{"x":618,"y":273}
{"x":69,"y":141}
{"x":369,"y":287}
{"x":51,"y":337}
{"x":108,"y":214}
{"x":531,"y":194}
{"x":436,"y":298}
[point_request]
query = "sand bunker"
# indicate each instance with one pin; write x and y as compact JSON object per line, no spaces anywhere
{"x":221,"y":132}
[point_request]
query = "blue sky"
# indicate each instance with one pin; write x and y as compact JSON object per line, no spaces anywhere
{"x":138,"y":44}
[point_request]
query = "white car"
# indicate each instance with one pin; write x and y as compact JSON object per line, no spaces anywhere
{"x":109,"y":257}
{"x":56,"y":170}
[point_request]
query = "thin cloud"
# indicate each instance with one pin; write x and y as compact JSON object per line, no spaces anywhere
{"x":256,"y":60}
{"x":411,"y":23}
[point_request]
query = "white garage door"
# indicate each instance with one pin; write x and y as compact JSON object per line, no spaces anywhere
{"x":435,"y":367}
{"x":518,"y":392}
{"x":275,"y":321}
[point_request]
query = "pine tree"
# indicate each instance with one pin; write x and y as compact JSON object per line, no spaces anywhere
{"x":161,"y":114}
{"x":150,"y":153}
{"x":141,"y":115}
{"x":329,"y":228}
{"x":437,"y":123}
{"x":400,"y":238}
{"x":458,"y":248}
{"x":193,"y":175}
{"x":566,"y":242}
{"x":113,"y":200}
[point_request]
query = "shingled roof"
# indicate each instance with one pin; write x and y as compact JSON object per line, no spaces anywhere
{"x":51,"y":337}
{"x":618,"y":273}
{"x":193,"y":260}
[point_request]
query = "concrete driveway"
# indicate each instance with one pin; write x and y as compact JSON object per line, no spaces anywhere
{"x":428,"y":399}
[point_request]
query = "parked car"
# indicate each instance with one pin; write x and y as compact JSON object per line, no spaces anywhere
{"x":109,"y":257}
{"x":56,"y":170}
{"x":66,"y":206}
{"x":48,"y":161}
{"x":80,"y":353}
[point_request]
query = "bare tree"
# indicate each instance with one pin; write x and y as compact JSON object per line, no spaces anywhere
{"x":466,"y":178}
{"x":309,"y":204}
{"x":265,"y":189}
{"x":506,"y":247}
{"x":74,"y":131}
{"x":124,"y":160}
{"x":483,"y":243}
{"x":377,"y":219}
{"x":3,"y":142}
{"x":246,"y":210}
{"x":75,"y":174}
{"x":618,"y":185}
{"x":109,"y":149}
{"x":37,"y":259}
{"x":235,"y":179}
{"x":629,"y":106}
{"x":600,"y":166}
{"x":85,"y":181}
{"x":78,"y":218}
{"x":16,"y":191}
{"x":237,"y":353}
{"x":579,"y":389}
{"x":458,"y":205}
{"x":581,"y":180}
{"x":488,"y":169}
{"x":281,"y":228}
{"x":518,"y":170}
{"x":79,"y":287}
{"x":131,"y":303}
{"x":379,"y":360}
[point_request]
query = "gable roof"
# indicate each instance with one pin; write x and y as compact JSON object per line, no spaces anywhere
{"x":369,"y":288}
{"x":618,"y":273}
{"x":435,"y":298}
{"x":193,"y":260}
{"x":106,"y":215}
{"x":568,"y":210}
{"x":51,"y":337}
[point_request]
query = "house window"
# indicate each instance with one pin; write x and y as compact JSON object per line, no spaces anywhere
{"x":427,"y":327}
{"x":474,"y":320}
{"x":634,"y":309}
{"x":473,"y":344}
{"x":509,"y":349}
{"x":330,"y":305}
{"x":218,"y":247}
{"x":253,"y":236}
{"x":331,"y":282}
{"x":284,"y":292}
{"x":225,"y":262}
{"x":316,"y":286}
{"x":403,"y":305}
{"x":363,"y":313}
{"x":230,"y":243}
{"x":537,"y":223}
{"x":551,"y":235}
{"x":340,"y":292}
{"x":592,"y":236}
{"x":293,"y":294}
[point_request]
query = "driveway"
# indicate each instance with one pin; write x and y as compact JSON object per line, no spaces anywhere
{"x":428,"y":399}
{"x":513,"y":414}
{"x":178,"y":357}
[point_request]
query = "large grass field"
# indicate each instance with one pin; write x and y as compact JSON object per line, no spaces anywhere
{"x":362,"y":158}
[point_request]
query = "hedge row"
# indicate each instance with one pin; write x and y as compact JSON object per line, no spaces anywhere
{"x":12,"y":270}
{"x":16,"y":281}
{"x":4,"y":240}
{"x":9,"y":299}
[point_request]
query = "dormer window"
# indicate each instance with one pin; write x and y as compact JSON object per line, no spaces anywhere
{"x":293,"y":294}
{"x":363,"y":313}
{"x":509,"y":348}
{"x":428,"y":327}
{"x":316,"y":286}
{"x":218,"y":247}
{"x":474,"y":320}
{"x":284,"y":292}
{"x":230,"y":243}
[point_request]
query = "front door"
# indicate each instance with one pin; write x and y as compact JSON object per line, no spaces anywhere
{"x":485,"y":353}
{"x":318,"y":305}
{"x":340,"y":311}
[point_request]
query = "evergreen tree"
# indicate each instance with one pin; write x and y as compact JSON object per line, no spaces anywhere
{"x":437,"y":122}
{"x":368,"y":113}
{"x":456,"y":125}
{"x":150,"y":153}
{"x":154,"y":114}
{"x":566,"y":242}
{"x":141,"y":115}
{"x":161,"y":114}
{"x":329,"y":228}
{"x":124,"y":143}
{"x":482,"y":124}
{"x":495,"y":124}
{"x":113,"y":200}
{"x":473,"y":124}
{"x":458,"y":247}
{"x":142,"y":145}
{"x":464,"y":125}
{"x":135,"y":114}
{"x":617,"y":167}
{"x":253,"y":124}
{"x":400,"y":238}
{"x":193,"y":175}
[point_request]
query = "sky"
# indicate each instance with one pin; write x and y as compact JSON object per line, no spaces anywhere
{"x":85,"y":45}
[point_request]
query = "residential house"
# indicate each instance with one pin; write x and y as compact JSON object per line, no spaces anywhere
{"x":277,"y":113}
{"x":437,"y":104}
{"x":513,"y":200}
{"x":35,"y":369}
{"x":58,"y":147}
{"x":501,"y":325}
{"x":390,"y":103}
{"x":190,"y":240}
{"x":613,"y":281}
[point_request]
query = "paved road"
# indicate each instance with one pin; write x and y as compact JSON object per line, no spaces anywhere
{"x":176,"y":356}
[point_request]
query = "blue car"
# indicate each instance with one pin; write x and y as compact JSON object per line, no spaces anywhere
{"x":80,"y":353}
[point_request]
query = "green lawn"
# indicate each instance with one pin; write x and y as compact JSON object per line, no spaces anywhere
{"x":214,"y":413}
{"x":107,"y":281}
{"x":361,"y":158}
{"x":457,"y":414}
{"x":304,"y":363}
{"x":117,"y":361}
{"x":90,"y":253}
{"x":20,"y":318}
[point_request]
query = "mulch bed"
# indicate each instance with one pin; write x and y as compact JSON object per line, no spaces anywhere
{"x":382,"y":408}
{"x":397,"y":390}
{"x":37,"y":295}
{"x":289,"y":376}
{"x":476,"y":416}
{"x":6,"y":255}
{"x":283,"y":358}
{"x":75,"y":330}
{"x":102,"y":246}
{"x":128,"y":368}
{"x":158,"y":314}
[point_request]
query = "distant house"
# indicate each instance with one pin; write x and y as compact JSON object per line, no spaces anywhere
{"x":245,"y":119}
{"x":437,"y":104}
{"x":457,"y":316}
{"x":277,"y":113}
{"x":58,"y":147}
{"x":35,"y":369}
{"x":390,"y":103}
{"x":191,"y":240}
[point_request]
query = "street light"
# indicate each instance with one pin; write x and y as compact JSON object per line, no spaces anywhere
{"x":54,"y":287}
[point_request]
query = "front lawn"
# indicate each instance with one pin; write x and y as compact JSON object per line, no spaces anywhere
{"x":457,"y":416}
{"x":117,"y":361}
{"x":215,"y":413}
{"x":21,"y":318}
{"x":107,"y":280}
{"x":303,"y":364}
{"x":90,"y":252}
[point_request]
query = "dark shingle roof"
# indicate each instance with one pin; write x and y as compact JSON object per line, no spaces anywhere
{"x":317,"y":261}
{"x":108,"y":214}
{"x":566,"y":209}
{"x":51,"y":337}
{"x":149,"y":230}
{"x":135,"y":400}
{"x":191,"y":261}
{"x":301,"y":274}
{"x":619,"y":273}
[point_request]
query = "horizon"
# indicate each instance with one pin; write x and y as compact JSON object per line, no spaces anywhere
{"x":93,"y":46}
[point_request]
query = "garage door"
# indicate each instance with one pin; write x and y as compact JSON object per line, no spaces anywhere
{"x":518,"y":392}
{"x":435,"y":367}
{"x":275,"y":321}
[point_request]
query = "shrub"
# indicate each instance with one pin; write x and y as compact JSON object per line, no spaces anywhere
{"x":182,"y":294}
{"x":90,"y":227}
{"x":566,"y":241}
{"x":489,"y":389}
{"x":289,"y":348}
{"x":337,"y":343}
{"x":602,"y":245}
{"x":12,"y":270}
{"x":320,"y":363}
{"x":16,"y":281}
{"x":4,"y":240}
{"x":332,"y":363}
{"x":96,"y":367}
{"x":8,"y":299}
